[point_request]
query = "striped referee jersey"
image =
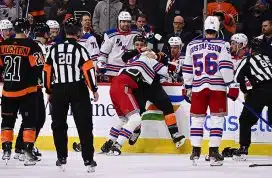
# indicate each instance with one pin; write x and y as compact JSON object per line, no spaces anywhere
{"x":256,"y":68}
{"x":69,"y":62}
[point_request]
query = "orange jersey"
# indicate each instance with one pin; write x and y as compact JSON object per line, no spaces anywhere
{"x":22,"y":62}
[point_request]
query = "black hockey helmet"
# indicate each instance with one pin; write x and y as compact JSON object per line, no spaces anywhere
{"x":20,"y":25}
{"x":139,"y":38}
{"x":40,"y":29}
{"x":72,"y":26}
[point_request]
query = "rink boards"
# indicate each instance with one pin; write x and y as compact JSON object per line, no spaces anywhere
{"x":155,"y":137}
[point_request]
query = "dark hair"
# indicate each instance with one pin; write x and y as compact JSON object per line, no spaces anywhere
{"x":72,"y":27}
{"x":85,"y":14}
{"x":142,"y":15}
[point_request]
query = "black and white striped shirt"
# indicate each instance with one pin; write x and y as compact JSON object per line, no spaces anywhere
{"x":69,"y":62}
{"x":256,"y":68}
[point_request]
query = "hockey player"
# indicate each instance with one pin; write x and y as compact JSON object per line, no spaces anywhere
{"x":88,"y":40}
{"x":238,"y":47}
{"x":41,"y":33}
{"x":116,"y":42}
{"x":19,"y":57}
{"x":207,"y":72}
{"x":149,"y":92}
{"x":176,"y":60}
{"x":66,"y":65}
{"x":5,"y":29}
{"x":54,"y":33}
{"x":121,"y":92}
{"x":258,"y":69}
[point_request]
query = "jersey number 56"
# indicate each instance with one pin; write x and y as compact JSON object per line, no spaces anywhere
{"x":205,"y":64}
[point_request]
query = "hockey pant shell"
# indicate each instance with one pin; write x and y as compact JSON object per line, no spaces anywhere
{"x":256,"y":100}
{"x":40,"y":120}
{"x":28,"y":109}
{"x":121,"y":93}
{"x":77,"y":95}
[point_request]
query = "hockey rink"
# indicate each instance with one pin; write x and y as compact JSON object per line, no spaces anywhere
{"x":136,"y":166}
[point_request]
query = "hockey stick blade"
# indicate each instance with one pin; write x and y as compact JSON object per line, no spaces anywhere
{"x":259,"y":165}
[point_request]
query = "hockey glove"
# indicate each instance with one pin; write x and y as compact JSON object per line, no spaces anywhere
{"x":187,"y":94}
{"x":233,"y":91}
{"x":101,"y":67}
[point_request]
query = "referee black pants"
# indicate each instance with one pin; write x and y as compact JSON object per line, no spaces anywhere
{"x":260,"y":97}
{"x":77,"y":95}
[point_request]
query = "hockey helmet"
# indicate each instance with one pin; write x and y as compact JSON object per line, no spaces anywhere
{"x":175,"y":41}
{"x":124,"y":15}
{"x":5,"y":24}
{"x":72,"y":26}
{"x":240,"y":38}
{"x":139,"y":38}
{"x":212,"y":23}
{"x":40,"y":29}
{"x":21,"y":25}
{"x":53,"y":24}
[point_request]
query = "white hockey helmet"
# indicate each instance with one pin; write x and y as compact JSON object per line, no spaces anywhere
{"x":240,"y":38}
{"x":53,"y":24}
{"x":212,"y":23}
{"x":175,"y":41}
{"x":124,"y":15}
{"x":5,"y":24}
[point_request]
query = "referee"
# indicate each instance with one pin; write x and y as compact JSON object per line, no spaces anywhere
{"x":70,"y":71}
{"x":258,"y":70}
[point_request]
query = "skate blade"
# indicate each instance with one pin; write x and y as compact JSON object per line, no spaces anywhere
{"x":22,"y":157}
{"x":6,"y":161}
{"x":30,"y":163}
{"x":180,"y":143}
{"x":216,"y":163}
{"x":239,"y":158}
{"x":113,"y":153}
{"x":62,"y":168}
{"x":195,"y":162}
{"x":90,"y":169}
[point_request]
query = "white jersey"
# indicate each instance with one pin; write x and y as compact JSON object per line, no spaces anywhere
{"x":208,"y":64}
{"x":148,"y":67}
{"x":113,"y":47}
{"x":90,"y":43}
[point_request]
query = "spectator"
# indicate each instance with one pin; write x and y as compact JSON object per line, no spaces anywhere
{"x":8,"y":10}
{"x":58,"y":11}
{"x":36,"y":9}
{"x":228,"y":11}
{"x":134,"y":10}
{"x":266,"y":36}
{"x":77,"y":8}
{"x":48,"y":7}
{"x":224,"y":34}
{"x":105,"y":15}
{"x":178,"y":26}
{"x":88,"y":40}
{"x":254,"y":18}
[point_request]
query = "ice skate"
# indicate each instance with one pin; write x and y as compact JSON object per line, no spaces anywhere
{"x":240,"y":154}
{"x":36,"y":152}
{"x":207,"y":158}
{"x":18,"y":152}
{"x":30,"y":158}
{"x":106,"y":147}
{"x":115,"y":150}
{"x":6,"y":146}
{"x":77,"y":147}
{"x":216,"y":159}
{"x":195,"y":155}
{"x":134,"y":137}
{"x":178,"y":139}
{"x":90,"y":166}
{"x":61,"y":164}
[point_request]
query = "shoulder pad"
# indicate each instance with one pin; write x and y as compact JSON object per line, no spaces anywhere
{"x":86,"y":36}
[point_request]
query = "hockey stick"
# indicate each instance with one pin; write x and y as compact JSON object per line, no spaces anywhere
{"x":259,"y":165}
{"x":254,"y":112}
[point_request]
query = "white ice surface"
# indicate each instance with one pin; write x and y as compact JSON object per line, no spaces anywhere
{"x":136,"y":166}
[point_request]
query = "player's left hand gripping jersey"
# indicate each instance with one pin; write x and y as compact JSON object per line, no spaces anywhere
{"x":22,"y":62}
{"x":90,"y":43}
{"x":208,"y":64}
{"x":145,"y":67}
{"x":113,"y":47}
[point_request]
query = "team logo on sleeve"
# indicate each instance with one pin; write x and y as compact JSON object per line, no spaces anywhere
{"x":39,"y":58}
